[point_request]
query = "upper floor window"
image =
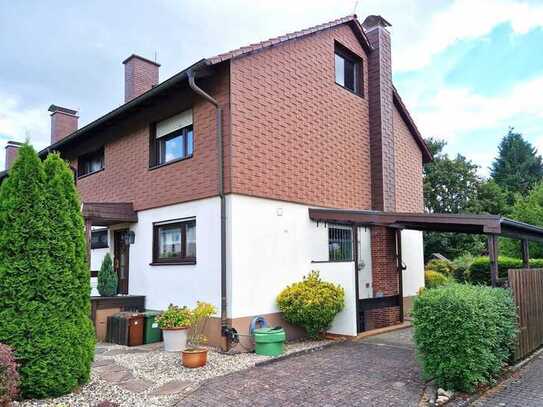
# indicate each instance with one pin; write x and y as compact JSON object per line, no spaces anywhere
{"x":174,"y":242}
{"x":172,"y":139}
{"x":91,"y":162}
{"x":348,"y":70}
{"x":340,"y":243}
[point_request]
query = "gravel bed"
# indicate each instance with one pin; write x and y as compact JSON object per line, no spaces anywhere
{"x":149,"y":363}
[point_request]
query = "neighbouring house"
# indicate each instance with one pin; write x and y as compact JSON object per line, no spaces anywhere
{"x":234,"y":178}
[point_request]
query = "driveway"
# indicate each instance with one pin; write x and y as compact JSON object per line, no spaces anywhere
{"x":378,"y":371}
{"x":523,"y":389}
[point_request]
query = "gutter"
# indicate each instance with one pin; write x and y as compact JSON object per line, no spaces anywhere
{"x":226,"y":331}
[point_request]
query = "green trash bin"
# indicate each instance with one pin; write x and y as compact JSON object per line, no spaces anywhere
{"x":151,"y":332}
{"x":269,"y":341}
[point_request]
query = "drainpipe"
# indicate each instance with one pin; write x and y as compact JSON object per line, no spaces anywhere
{"x":225,"y":329}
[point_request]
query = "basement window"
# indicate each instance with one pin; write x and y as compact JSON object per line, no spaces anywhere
{"x":174,"y":242}
{"x":348,"y":68}
{"x":90,"y":163}
{"x":340,"y":243}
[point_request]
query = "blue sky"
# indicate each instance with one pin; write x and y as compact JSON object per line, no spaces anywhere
{"x":467,"y":70}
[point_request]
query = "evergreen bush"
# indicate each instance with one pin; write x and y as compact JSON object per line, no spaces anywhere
{"x":433,"y":279}
{"x":479,"y":270}
{"x":464,"y":334}
{"x":444,"y":267}
{"x":44,"y":276}
{"x":311,"y":303}
{"x":107,"y":278}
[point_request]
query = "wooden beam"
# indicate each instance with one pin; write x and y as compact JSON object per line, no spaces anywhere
{"x":493,"y":255}
{"x":525,"y":253}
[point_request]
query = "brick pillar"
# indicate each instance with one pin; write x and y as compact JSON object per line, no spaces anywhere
{"x":381,"y":110}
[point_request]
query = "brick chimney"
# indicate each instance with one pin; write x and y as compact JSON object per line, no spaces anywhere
{"x":140,"y":75}
{"x":381,"y":108}
{"x":63,"y":122}
{"x":12,"y":148}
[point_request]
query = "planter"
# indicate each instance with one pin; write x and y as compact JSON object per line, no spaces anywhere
{"x":175,"y":339}
{"x":194,"y":358}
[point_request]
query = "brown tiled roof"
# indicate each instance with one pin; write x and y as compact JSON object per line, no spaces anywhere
{"x":398,"y":102}
{"x":352,"y":20}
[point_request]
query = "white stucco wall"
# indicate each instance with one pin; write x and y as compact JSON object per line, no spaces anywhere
{"x":97,"y":256}
{"x":178,"y":284}
{"x":274,"y":244}
{"x":413,"y":258}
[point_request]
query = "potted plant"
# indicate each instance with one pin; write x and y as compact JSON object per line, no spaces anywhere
{"x":196,"y":355}
{"x":175,"y":322}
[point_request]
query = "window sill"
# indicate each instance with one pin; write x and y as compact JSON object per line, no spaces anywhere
{"x":360,"y":95}
{"x":154,"y":167}
{"x":90,"y":173}
{"x":174,"y":263}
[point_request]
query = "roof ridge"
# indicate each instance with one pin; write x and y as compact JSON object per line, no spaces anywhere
{"x":279,"y":39}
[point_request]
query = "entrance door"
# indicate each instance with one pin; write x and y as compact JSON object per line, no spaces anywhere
{"x":121,"y":257}
{"x":364,"y":267}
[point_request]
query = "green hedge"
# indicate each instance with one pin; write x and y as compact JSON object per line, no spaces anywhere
{"x":464,"y":334}
{"x":479,"y":271}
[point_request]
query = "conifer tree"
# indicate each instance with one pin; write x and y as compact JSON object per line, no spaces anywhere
{"x":107,"y":278}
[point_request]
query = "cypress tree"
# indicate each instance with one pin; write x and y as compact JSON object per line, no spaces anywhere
{"x":44,"y":281}
{"x":107,"y":278}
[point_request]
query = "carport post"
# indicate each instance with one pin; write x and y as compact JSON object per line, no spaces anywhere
{"x":525,"y":254}
{"x":493,"y":255}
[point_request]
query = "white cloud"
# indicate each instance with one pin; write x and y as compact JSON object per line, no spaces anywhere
{"x":417,"y":41}
{"x":18,"y":123}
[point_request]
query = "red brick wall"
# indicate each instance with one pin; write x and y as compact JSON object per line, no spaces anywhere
{"x":127,"y":177}
{"x":296,"y":135}
{"x":409,"y":196}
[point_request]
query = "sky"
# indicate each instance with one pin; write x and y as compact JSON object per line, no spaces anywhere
{"x":467,"y":70}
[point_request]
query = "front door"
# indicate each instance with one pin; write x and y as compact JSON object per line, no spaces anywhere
{"x":121,"y":256}
{"x":364,"y":267}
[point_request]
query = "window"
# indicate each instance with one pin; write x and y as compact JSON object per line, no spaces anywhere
{"x":91,"y":162}
{"x":172,"y":139}
{"x":99,"y":239}
{"x":174,"y":242}
{"x":348,"y":70}
{"x":340,"y":243}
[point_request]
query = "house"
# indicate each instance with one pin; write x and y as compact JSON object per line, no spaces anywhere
{"x":227,"y":182}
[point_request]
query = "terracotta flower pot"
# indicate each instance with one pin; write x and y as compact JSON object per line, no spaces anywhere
{"x":194,"y":357}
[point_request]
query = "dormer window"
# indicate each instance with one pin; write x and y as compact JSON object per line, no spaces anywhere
{"x":90,"y":163}
{"x":348,"y":69}
{"x":172,"y":139}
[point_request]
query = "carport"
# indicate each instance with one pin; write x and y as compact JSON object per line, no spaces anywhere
{"x":492,"y":226}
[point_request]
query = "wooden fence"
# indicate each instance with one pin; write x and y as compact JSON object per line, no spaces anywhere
{"x":527,"y":287}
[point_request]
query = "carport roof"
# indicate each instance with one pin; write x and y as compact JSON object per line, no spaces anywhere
{"x":437,"y":222}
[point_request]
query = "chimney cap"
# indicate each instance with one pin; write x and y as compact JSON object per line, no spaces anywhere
{"x":15,"y":144}
{"x":375,"y":21}
{"x":140,"y":57}
{"x":54,"y":109}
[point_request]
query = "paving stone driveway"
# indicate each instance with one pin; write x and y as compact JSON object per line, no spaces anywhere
{"x":378,"y":371}
{"x":524,"y":389}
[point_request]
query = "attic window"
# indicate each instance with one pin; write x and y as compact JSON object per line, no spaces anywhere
{"x":348,"y":68}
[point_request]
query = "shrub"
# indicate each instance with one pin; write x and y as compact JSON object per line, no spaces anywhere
{"x":9,"y":377}
{"x":461,"y":266}
{"x":444,"y":267}
{"x":311,"y":303}
{"x":44,"y":276}
{"x":433,"y":279}
{"x":175,"y":317}
{"x":199,"y":317}
{"x":479,"y":271}
{"x":107,"y":278}
{"x":464,"y":334}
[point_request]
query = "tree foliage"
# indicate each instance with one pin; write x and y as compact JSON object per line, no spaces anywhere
{"x":518,"y":167}
{"x":107,"y":278}
{"x":44,"y":278}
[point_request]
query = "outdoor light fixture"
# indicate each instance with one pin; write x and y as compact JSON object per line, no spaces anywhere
{"x":129,"y":237}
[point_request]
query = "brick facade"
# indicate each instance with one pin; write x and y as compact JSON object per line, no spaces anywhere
{"x":297,"y":135}
{"x":126,"y":176}
{"x":408,"y":170}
